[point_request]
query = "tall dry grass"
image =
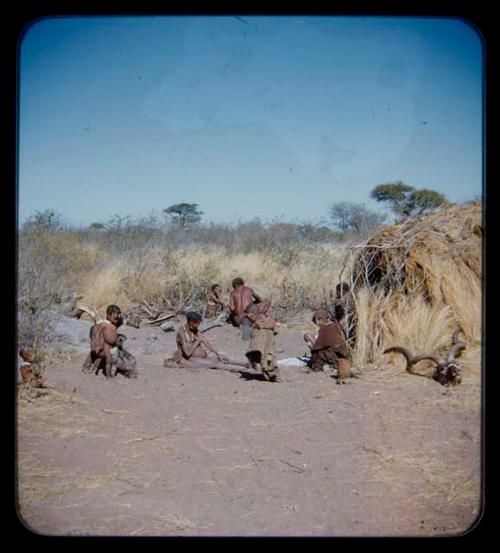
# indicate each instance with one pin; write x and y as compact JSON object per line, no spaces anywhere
{"x":409,"y":322}
{"x":417,"y":282}
{"x":297,"y":269}
{"x":183,"y":276}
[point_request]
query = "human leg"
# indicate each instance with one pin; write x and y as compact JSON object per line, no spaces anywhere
{"x":245,"y":329}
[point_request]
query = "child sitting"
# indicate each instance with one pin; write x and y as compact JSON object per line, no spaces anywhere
{"x":30,"y":371}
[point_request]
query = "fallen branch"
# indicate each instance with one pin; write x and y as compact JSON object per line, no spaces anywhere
{"x":161,"y":319}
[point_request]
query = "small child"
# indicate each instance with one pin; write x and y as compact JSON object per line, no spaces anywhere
{"x":29,"y":375}
{"x":261,"y":350}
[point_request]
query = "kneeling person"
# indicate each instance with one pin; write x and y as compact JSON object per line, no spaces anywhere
{"x":328,"y":347}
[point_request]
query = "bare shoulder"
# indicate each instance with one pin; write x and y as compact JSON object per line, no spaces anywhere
{"x":110,"y":333}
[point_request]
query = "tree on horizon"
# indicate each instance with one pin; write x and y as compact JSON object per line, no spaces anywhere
{"x":183,"y":214}
{"x":405,"y":200}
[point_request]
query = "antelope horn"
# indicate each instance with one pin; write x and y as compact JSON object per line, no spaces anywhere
{"x":457,"y":345}
{"x":410,"y":359}
{"x":92,"y":312}
{"x":454,"y":338}
{"x":455,"y":349}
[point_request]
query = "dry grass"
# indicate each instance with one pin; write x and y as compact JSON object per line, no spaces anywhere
{"x":295,"y":281}
{"x":428,"y":270}
{"x":442,"y":483}
{"x":416,"y":282}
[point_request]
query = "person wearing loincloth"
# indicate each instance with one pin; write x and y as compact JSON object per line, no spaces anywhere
{"x":263,"y":330}
{"x":240,"y":298}
{"x":192,"y":348}
{"x":328,"y":347}
{"x":106,"y":347}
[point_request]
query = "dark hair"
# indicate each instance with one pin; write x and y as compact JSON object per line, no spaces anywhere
{"x":238,"y":281}
{"x":113,"y":310}
{"x":193,"y":317}
{"x":320,"y":314}
{"x":214,"y":286}
{"x":343,"y":286}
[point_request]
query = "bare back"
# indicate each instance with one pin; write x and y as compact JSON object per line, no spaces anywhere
{"x":241,"y":297}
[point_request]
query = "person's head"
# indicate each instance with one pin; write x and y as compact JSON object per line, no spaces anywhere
{"x":216,"y":288}
{"x":27,"y":354}
{"x":342,"y":288}
{"x":193,"y":320}
{"x":321,"y":317}
{"x":252,"y":312}
{"x":114,"y":314}
{"x":237,"y":282}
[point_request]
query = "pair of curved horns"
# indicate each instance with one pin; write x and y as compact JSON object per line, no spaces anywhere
{"x":457,"y":345}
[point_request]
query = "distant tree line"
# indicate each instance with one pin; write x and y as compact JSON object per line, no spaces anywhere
{"x":348,"y":217}
{"x":403,"y":200}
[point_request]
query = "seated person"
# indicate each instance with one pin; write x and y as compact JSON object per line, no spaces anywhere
{"x":106,"y":347}
{"x":215,"y":303}
{"x":240,"y":298}
{"x":261,"y":350}
{"x":192,"y":347}
{"x":328,"y":347}
{"x":30,"y":371}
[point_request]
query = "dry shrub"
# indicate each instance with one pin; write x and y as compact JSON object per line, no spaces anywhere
{"x":295,"y":280}
{"x":105,"y":286}
{"x":308,"y":280}
{"x":417,"y":281}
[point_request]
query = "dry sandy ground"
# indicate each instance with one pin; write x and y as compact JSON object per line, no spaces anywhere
{"x":185,"y":452}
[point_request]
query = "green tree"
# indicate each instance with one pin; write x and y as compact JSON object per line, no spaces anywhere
{"x":45,"y":220}
{"x":405,"y":200}
{"x":395,"y":194}
{"x":97,"y":226}
{"x":424,"y":200}
{"x":184,"y":214}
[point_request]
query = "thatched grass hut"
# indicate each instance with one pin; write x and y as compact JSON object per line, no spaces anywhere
{"x":417,"y":280}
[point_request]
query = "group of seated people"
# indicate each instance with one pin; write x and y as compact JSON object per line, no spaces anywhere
{"x":245,"y":309}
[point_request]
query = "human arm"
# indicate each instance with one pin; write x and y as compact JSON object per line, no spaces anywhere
{"x":215,"y":298}
{"x":321,"y":341}
{"x":96,"y":340}
{"x":209,"y":345}
{"x":109,"y":336}
{"x":257,"y":297}
{"x":237,"y":308}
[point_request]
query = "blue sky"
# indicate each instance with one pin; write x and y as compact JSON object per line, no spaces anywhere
{"x":248,"y":116}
